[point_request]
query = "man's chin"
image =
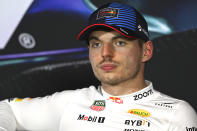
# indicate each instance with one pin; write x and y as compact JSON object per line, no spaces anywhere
{"x":109,"y":80}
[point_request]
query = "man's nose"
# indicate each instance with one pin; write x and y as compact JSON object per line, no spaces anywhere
{"x":107,"y":50}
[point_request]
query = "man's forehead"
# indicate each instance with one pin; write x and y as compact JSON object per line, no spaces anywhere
{"x":110,"y":34}
{"x":101,"y":33}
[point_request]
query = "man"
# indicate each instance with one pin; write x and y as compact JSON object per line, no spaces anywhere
{"x":119,"y":47}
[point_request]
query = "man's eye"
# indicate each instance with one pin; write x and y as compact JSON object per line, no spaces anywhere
{"x":120,"y":43}
{"x":95,"y":45}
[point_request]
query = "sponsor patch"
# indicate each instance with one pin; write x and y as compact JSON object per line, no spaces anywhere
{"x":98,"y":105}
{"x":191,"y":129}
{"x":133,"y":130}
{"x":91,"y":118}
{"x":108,"y":12}
{"x":167,"y":105}
{"x":142,"y":30}
{"x":21,"y":99}
{"x":142,"y":95}
{"x":139,"y":112}
{"x":116,"y":99}
{"x":137,"y":123}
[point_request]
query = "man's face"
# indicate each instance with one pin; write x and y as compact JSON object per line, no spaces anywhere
{"x":114,"y":59}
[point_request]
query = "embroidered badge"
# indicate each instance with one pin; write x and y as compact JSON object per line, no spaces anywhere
{"x":108,"y":12}
{"x":98,"y":105}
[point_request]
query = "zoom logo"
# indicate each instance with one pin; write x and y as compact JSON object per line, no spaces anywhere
{"x":142,"y":95}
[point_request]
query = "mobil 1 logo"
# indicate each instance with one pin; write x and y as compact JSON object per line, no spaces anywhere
{"x":95,"y":119}
{"x":142,"y":95}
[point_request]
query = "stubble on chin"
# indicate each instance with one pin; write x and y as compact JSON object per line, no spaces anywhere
{"x":110,"y":78}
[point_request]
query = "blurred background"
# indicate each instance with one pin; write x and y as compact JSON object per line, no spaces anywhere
{"x":39,"y":53}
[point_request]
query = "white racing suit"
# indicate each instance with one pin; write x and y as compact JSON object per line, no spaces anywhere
{"x":92,"y":109}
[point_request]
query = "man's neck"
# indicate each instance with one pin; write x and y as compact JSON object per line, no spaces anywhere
{"x":125,"y":88}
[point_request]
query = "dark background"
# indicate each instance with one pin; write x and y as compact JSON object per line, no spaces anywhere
{"x":60,"y":62}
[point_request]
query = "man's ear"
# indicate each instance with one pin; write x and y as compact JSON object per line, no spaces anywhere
{"x":147,"y":51}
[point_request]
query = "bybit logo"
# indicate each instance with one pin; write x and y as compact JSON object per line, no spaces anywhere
{"x":137,"y":123}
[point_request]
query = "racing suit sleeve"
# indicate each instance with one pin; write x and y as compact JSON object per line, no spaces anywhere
{"x":7,"y":119}
{"x":41,"y":114}
{"x":184,"y":119}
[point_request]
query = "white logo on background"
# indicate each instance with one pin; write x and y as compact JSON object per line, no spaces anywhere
{"x":124,"y":31}
{"x":27,"y":40}
{"x":143,"y":30}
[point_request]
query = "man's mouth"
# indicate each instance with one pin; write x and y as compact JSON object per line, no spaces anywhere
{"x":108,"y":67}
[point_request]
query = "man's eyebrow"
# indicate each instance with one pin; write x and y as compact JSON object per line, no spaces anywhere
{"x":118,"y":37}
{"x":93,"y":38}
{"x":113,"y":38}
{"x":122,"y":37}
